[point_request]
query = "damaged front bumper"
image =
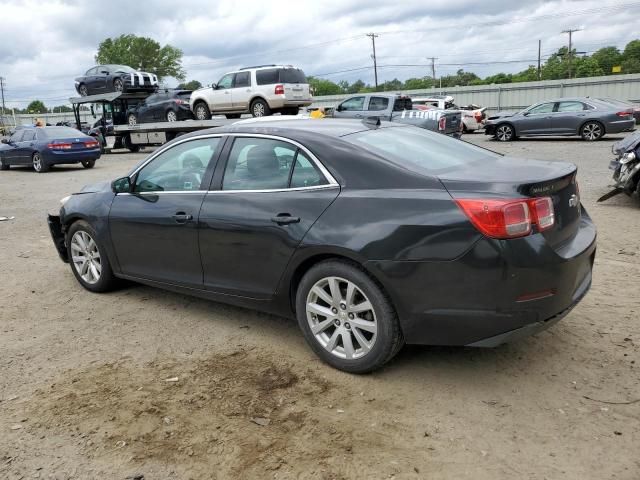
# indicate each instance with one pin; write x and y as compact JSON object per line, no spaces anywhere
{"x":57,"y":235}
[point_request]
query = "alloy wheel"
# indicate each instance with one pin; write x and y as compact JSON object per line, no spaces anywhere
{"x":83,"y":91}
{"x":341,"y":318}
{"x":37,"y":162}
{"x":201,"y":114}
{"x":117,"y":85}
{"x":172,"y":116}
{"x":86,"y":257}
{"x":132,"y":120}
{"x":504,"y":133}
{"x":258,"y":109}
{"x":592,"y":131}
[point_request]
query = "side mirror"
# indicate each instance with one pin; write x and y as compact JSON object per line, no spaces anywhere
{"x":339,"y":108}
{"x":106,"y":72}
{"x":5,"y":141}
{"x":214,"y":86}
{"x":525,"y":114}
{"x":121,"y":185}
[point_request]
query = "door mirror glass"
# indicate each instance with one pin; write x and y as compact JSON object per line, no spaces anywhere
{"x":526,"y":114}
{"x":121,"y":185}
{"x":214,"y":85}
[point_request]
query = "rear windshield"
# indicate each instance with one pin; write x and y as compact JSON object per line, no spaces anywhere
{"x":280,"y":75}
{"x":401,"y":104}
{"x":184,"y":95}
{"x":419,"y":150}
{"x":61,"y":132}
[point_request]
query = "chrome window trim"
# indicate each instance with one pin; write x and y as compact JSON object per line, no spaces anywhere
{"x":217,"y":192}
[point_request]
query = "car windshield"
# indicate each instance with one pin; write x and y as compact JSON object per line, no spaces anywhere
{"x":419,"y":150}
{"x":122,"y":68}
{"x":61,"y":132}
{"x":292,"y":75}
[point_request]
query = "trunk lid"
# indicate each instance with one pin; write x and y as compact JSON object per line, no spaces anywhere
{"x":514,"y":178}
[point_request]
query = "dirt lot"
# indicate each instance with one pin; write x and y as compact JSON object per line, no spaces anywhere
{"x":145,"y":382}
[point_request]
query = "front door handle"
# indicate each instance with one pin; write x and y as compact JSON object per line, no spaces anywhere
{"x":285,"y":219}
{"x":358,"y":115}
{"x":181,"y":217}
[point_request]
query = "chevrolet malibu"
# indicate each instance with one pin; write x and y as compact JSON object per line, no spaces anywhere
{"x":370,"y":235}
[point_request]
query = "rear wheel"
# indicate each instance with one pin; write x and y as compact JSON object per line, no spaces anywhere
{"x":592,"y":131}
{"x":171,"y":116}
{"x":118,"y":86}
{"x":260,"y":108}
{"x":505,"y":133}
{"x":346,"y":318}
{"x":82,"y":89}
{"x":232,"y":115}
{"x":202,"y":112}
{"x":130,"y":146}
{"x":88,"y":259}
{"x":88,"y":163}
{"x":132,"y":119}
{"x":39,"y":163}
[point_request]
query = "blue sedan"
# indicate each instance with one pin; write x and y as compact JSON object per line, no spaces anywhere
{"x":42,"y":147}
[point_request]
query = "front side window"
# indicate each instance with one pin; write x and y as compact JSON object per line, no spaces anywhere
{"x":226,"y":81}
{"x":179,"y":169}
{"x":571,"y":107}
{"x":243,"y":79}
{"x":17,"y":136}
{"x":29,"y":135}
{"x":378,"y":103}
{"x":258,"y":164}
{"x":544,"y":108}
{"x":355,"y":103}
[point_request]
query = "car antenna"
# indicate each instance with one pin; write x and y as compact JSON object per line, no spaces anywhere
{"x":371,"y":122}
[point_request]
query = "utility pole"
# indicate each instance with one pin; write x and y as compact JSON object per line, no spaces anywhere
{"x":570,"y":32}
{"x":539,"y":51}
{"x":375,"y":64}
{"x":433,"y":68}
{"x":2,"y":90}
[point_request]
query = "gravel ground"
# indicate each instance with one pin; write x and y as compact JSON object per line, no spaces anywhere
{"x":145,"y":382}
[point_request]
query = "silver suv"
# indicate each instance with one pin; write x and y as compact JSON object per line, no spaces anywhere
{"x":260,"y":90}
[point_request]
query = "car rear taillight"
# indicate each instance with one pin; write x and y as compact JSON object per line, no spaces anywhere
{"x":177,"y":101}
{"x":279,"y":90}
{"x":478,"y":117}
{"x":627,"y":113}
{"x":91,"y":144}
{"x":508,"y":218}
{"x":442,"y":124}
{"x":59,"y":146}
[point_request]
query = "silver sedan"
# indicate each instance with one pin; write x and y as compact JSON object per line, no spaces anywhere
{"x":586,"y":117}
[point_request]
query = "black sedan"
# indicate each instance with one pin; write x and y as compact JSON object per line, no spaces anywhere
{"x":42,"y":147}
{"x":370,"y":235}
{"x":165,"y":106}
{"x":115,"y":78}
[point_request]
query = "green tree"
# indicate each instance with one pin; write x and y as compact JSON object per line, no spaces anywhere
{"x":391,"y":85}
{"x":418,"y":83}
{"x":36,"y":107}
{"x":356,"y":86}
{"x":321,"y":86}
{"x":142,"y":53}
{"x":587,"y":67}
{"x":607,"y":58}
{"x":499,"y":78}
{"x":62,"y":109}
{"x":528,"y":75}
{"x":192,"y":85}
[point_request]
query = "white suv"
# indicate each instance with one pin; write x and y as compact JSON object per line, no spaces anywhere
{"x":259,"y":90}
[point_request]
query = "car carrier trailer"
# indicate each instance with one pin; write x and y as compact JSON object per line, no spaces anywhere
{"x":120,"y":134}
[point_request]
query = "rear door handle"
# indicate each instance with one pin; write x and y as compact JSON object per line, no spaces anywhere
{"x":358,"y":115}
{"x":181,"y":217}
{"x":285,"y":219}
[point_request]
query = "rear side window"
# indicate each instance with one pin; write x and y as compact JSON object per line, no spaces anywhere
{"x":292,"y":75}
{"x":305,"y":173}
{"x":258,"y":164}
{"x":243,"y":79}
{"x":267,"y":77}
{"x":401,"y":104}
{"x":378,"y":103}
{"x":571,"y":107}
{"x":29,"y":135}
{"x":419,"y":150}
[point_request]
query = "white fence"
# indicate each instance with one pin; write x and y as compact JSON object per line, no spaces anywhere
{"x":514,"y":96}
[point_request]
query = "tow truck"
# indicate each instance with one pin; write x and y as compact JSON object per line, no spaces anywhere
{"x":120,"y":134}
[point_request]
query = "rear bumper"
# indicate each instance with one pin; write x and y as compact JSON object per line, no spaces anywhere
{"x":53,"y":157}
{"x":57,"y":235}
{"x":621,"y":126}
{"x":282,"y":102}
{"x":480,"y":298}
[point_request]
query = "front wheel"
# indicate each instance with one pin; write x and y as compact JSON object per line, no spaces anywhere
{"x":88,"y":259}
{"x":88,"y":163}
{"x":201,"y":111}
{"x":260,"y":108}
{"x":39,"y":164}
{"x":592,"y":131}
{"x":505,"y":133}
{"x":118,"y":86}
{"x":346,"y":318}
{"x":132,"y":119}
{"x":83,"y":91}
{"x":171,"y":116}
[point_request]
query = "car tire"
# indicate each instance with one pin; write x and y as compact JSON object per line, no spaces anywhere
{"x":89,"y":265}
{"x":132,"y":120}
{"x":118,"y":85}
{"x":505,"y":133}
{"x":88,"y":163}
{"x":260,"y":108}
{"x":171,"y":116}
{"x":592,"y":131}
{"x":201,"y":111}
{"x":39,"y":164}
{"x":372,"y":346}
{"x":132,"y":147}
{"x":232,"y":116}
{"x":83,"y":90}
{"x":4,"y":166}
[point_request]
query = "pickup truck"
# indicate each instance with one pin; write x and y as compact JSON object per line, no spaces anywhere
{"x":473,"y":116}
{"x":398,"y":108}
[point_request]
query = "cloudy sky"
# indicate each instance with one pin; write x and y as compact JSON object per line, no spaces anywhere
{"x":45,"y":44}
